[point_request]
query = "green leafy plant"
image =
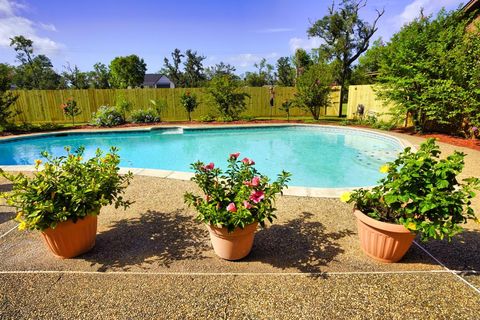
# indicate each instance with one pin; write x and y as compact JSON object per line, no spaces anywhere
{"x":159,"y":105}
{"x":149,"y":115}
{"x":71,"y":109}
{"x":107,"y":116}
{"x":208,"y":118}
{"x":287,"y":106}
{"x":225,"y":94}
{"x":237,"y":198}
{"x":313,"y":89}
{"x":189,"y":103}
{"x":421,"y":192}
{"x":124,"y":106}
{"x":67,"y":188}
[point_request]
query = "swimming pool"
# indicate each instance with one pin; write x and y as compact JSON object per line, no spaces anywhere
{"x":317,"y":156}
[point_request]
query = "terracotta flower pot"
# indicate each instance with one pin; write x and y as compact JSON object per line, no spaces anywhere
{"x":70,"y":239}
{"x":234,"y":245}
{"x":385,"y":242}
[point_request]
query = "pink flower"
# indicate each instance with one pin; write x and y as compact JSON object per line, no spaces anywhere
{"x":209,"y":166}
{"x":248,"y":161}
{"x":257,"y":196}
{"x":247,"y":204}
{"x":234,"y":155}
{"x":474,"y":129}
{"x":255,"y":181}
{"x":231,"y":207}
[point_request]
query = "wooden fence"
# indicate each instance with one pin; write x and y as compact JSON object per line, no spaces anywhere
{"x":365,"y":94}
{"x":43,"y":106}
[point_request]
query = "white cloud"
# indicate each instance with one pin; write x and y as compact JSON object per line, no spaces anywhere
{"x":412,"y":10}
{"x":275,"y":30}
{"x":12,"y":24}
{"x":47,"y":26}
{"x":245,"y":60}
{"x":307,"y":44}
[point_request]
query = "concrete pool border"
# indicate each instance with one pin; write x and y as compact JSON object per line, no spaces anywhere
{"x":298,"y":191}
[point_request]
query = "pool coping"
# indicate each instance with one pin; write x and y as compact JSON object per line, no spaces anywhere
{"x":298,"y":191}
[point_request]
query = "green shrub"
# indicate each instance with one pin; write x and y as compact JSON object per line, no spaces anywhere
{"x":207,"y":118}
{"x":149,"y":115}
{"x":107,"y":116}
{"x":67,"y":188}
{"x":247,"y":118}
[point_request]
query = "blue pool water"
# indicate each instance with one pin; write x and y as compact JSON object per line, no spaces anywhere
{"x":327,"y":157}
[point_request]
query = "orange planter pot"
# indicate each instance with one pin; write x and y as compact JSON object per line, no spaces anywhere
{"x":234,"y":245}
{"x":385,"y":242}
{"x":70,"y":239}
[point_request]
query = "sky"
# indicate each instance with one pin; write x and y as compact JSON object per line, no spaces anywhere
{"x":238,"y":32}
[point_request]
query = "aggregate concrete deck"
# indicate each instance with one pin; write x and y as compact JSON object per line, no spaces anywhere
{"x":155,"y":261}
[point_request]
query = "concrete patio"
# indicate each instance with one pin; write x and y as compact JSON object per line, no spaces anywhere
{"x":155,"y":261}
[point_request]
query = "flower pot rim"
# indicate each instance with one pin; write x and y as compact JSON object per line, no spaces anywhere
{"x":386,"y":226}
{"x":69,"y":221}
{"x":223,"y":232}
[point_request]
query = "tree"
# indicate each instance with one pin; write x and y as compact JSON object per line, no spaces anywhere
{"x":346,"y":36}
{"x":173,"y":71}
{"x":75,"y":78}
{"x":368,"y":66}
{"x":430,"y":70}
{"x":100,"y":76}
{"x":285,"y":72}
{"x":34,"y":72}
{"x":70,"y":109}
{"x":189,"y":102}
{"x":24,"y":49}
{"x":225,"y":93}
{"x":6,"y":76}
{"x":220,"y":69}
{"x":40,"y":76}
{"x":194,"y":75}
{"x":301,"y":61}
{"x":264,"y":75}
{"x":127,"y":71}
{"x":313,"y":89}
{"x":7,"y":98}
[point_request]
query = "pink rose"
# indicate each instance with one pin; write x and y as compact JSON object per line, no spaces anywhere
{"x":248,"y":161}
{"x":234,"y":155}
{"x":255,"y":181}
{"x":257,"y":196}
{"x":231,"y":207}
{"x":247,"y":204}
{"x":209,"y":166}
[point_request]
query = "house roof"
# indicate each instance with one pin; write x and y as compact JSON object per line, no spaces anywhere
{"x":471,"y":5}
{"x":151,"y":79}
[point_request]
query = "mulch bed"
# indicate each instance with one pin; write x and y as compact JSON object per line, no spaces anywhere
{"x":445,"y":138}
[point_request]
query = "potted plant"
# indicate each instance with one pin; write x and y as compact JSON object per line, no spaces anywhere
{"x":420,"y":195}
{"x":63,"y":199}
{"x":234,"y":203}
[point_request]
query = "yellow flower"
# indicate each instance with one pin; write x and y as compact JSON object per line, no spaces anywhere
{"x":385,"y":168}
{"x":22,"y":225}
{"x":345,"y":197}
{"x":411,"y":226}
{"x":37,"y":163}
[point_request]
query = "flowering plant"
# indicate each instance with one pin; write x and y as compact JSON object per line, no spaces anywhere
{"x":420,"y":192}
{"x":71,"y":109}
{"x":66,"y":188}
{"x":237,"y":198}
